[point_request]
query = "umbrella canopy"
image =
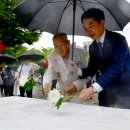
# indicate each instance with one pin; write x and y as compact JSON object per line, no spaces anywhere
{"x":31,"y":55}
{"x":59,"y":15}
{"x":8,"y":59}
{"x":65,"y":15}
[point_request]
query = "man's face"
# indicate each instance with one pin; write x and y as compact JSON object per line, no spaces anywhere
{"x":61,"y":46}
{"x":93,"y":28}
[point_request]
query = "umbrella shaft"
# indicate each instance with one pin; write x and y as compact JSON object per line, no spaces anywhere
{"x":74,"y":10}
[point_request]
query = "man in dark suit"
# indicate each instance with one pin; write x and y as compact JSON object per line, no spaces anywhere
{"x":109,"y":54}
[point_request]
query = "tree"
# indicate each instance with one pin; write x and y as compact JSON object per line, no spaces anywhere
{"x":12,"y":31}
{"x":16,"y":50}
{"x":46,"y":52}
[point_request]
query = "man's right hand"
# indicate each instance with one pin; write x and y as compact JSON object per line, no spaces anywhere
{"x":86,"y":94}
{"x":47,"y":88}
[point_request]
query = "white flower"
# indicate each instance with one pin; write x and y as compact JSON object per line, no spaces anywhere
{"x":54,"y":96}
{"x":56,"y":99}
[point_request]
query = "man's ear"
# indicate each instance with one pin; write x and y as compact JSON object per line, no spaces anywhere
{"x":103,"y":22}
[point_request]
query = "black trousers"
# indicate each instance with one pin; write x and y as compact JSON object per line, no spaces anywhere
{"x":102,"y":98}
{"x":8,"y":90}
{"x":2,"y":89}
{"x":118,"y":94}
{"x":22,"y":92}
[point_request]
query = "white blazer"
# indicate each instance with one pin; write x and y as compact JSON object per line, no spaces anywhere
{"x":57,"y":67}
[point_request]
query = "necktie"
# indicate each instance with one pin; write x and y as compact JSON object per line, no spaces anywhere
{"x":100,"y":48}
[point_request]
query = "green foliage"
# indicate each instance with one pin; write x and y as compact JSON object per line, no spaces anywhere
{"x":29,"y":84}
{"x":16,"y":50}
{"x":40,"y":71}
{"x":63,"y":99}
{"x":87,"y":56}
{"x":46,"y":52}
{"x":59,"y":103}
{"x":12,"y":31}
{"x":39,"y":51}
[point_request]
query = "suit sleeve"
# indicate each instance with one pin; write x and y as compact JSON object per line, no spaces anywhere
{"x":118,"y":59}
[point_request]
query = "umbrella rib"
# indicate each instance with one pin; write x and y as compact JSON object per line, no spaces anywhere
{"x":67,"y":5}
{"x":39,"y":9}
{"x":80,"y":5}
{"x":57,"y":2}
{"x":111,"y":14}
{"x":107,"y":10}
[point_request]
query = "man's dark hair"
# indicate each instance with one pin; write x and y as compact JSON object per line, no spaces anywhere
{"x":60,"y":34}
{"x":97,"y":14}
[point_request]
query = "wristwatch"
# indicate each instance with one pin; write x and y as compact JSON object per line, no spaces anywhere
{"x":94,"y":90}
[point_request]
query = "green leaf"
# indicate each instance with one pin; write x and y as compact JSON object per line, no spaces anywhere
{"x":29,"y":84}
{"x":59,"y":103}
{"x":62,"y":99}
{"x":67,"y":98}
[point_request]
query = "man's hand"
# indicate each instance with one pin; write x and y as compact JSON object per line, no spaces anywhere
{"x":72,"y":67}
{"x":86,"y":94}
{"x":71,"y":89}
{"x":47,"y":88}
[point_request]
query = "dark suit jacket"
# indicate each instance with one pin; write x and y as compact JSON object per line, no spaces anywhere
{"x":114,"y":61}
{"x":114,"y":65}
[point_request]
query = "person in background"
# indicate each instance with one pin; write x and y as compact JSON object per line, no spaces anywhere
{"x":58,"y":67}
{"x":25,"y":70}
{"x":8,"y":81}
{"x":2,"y":66}
{"x":110,"y":55}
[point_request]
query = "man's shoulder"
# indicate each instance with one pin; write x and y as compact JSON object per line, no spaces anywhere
{"x":53,"y":55}
{"x":114,"y":35}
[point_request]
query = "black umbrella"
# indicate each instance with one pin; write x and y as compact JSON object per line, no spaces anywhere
{"x":31,"y":55}
{"x":8,"y":59}
{"x":64,"y":15}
